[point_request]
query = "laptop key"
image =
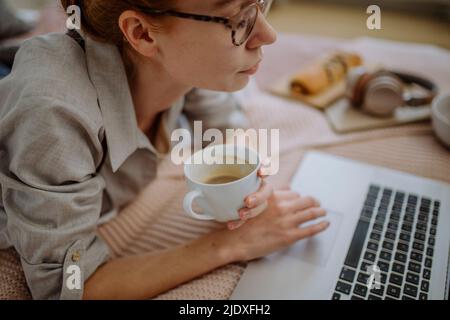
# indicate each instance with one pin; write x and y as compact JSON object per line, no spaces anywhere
{"x":398,"y":267}
{"x":425,"y":285}
{"x":373,"y":297}
{"x":406,"y":227}
{"x":378,"y":227}
{"x":407,"y":298}
{"x":378,"y":291}
{"x":405,"y":237}
{"x":343,"y":287}
{"x":336,"y":296}
{"x":385,"y":255}
{"x":380,"y":217}
{"x":392,"y":226}
{"x":409,"y":217}
{"x":415,"y":267}
{"x":433,"y":231}
{"x":423,"y":296}
{"x":383,"y":277}
{"x":354,"y":252}
{"x":431,"y":241}
{"x":421,"y":226}
{"x":375,"y":236}
{"x":393,"y":291}
{"x":396,"y":279}
{"x":388,"y":245}
{"x":347,"y":274}
{"x":401,"y":257}
{"x":390,"y":235}
{"x":412,"y":278}
{"x":402,"y":246}
{"x":418,"y":246}
{"x":416,"y":256}
{"x":430,"y":251}
{"x":362,"y":278}
{"x":356,"y":298}
{"x":410,"y":290}
{"x":365,"y":265}
{"x":372,"y":246}
{"x":369,"y":256}
{"x":428,"y":262}
{"x":383,"y":266}
{"x":426,"y":274}
{"x":360,"y":290}
{"x":419,"y":236}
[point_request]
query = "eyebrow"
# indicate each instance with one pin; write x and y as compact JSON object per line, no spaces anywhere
{"x":225,"y":3}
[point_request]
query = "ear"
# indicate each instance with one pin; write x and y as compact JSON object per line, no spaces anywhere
{"x":137,"y":31}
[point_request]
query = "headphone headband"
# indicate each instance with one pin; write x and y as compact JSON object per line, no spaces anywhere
{"x":430,"y":86}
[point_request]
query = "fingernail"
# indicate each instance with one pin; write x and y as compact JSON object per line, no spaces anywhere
{"x":251,"y":201}
{"x":243,"y":213}
{"x":231,"y":225}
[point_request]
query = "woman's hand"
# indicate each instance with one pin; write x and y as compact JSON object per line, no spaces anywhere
{"x":254,"y":203}
{"x":277,"y":226}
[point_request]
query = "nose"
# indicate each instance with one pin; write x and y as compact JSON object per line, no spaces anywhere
{"x":262,"y":35}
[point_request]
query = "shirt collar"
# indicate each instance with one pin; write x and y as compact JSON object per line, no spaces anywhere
{"x":107,"y":73}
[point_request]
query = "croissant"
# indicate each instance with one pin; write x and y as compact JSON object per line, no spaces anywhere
{"x":320,"y":75}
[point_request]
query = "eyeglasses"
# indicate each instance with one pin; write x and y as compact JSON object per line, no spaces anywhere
{"x":241,"y":25}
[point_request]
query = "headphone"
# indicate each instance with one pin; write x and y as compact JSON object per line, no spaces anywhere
{"x":379,"y":93}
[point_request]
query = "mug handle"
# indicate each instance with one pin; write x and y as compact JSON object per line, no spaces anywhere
{"x":187,"y":205}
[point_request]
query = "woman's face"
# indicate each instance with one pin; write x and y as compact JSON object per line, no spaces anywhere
{"x":202,"y":55}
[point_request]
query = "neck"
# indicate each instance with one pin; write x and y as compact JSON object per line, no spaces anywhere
{"x":153,"y":91}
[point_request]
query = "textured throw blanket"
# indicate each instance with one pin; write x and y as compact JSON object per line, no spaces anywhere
{"x":155,"y":223}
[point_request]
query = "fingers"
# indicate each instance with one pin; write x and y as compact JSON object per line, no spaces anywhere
{"x":246,"y":213}
{"x":307,"y":215}
{"x":286,"y":194}
{"x":264,"y":170}
{"x":258,"y":198}
{"x":310,"y":231}
{"x":262,"y":173}
{"x":233,"y":225}
{"x":300,"y":204}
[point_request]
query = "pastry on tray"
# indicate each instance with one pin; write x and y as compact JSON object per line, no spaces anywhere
{"x":322,"y":74}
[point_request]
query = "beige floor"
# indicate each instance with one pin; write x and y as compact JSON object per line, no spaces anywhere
{"x":345,"y":21}
{"x":336,"y":20}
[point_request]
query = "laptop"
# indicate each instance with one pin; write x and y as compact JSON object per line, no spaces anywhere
{"x":388,"y":239}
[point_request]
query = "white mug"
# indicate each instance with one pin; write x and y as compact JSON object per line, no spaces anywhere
{"x":220,"y":201}
{"x":440,"y":115}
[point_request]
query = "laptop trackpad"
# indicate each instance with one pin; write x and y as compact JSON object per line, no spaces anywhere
{"x":317,"y":249}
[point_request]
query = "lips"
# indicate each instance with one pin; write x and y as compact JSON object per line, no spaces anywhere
{"x":252,"y":70}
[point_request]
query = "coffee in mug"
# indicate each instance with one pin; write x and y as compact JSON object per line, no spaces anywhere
{"x":220,"y":181}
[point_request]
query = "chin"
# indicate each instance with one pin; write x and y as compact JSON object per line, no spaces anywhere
{"x":236,"y":84}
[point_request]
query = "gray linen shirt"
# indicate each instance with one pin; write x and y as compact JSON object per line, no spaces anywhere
{"x":72,"y":154}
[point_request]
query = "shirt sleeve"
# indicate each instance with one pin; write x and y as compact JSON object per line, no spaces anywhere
{"x":52,"y":196}
{"x":220,"y":110}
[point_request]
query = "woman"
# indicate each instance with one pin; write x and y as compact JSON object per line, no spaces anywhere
{"x":83,"y":124}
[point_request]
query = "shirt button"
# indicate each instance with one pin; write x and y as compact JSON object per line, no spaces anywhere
{"x":76,"y":256}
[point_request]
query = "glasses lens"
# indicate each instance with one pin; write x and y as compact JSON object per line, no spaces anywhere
{"x":245,"y":23}
{"x":267,"y":5}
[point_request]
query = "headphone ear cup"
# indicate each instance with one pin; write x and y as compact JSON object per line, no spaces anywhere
{"x":383,"y":94}
{"x":352,"y":91}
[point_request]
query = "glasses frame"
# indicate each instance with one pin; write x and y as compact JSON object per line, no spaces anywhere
{"x":229,"y":22}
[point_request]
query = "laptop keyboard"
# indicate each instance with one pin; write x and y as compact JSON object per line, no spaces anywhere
{"x":396,"y":233}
